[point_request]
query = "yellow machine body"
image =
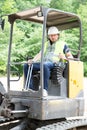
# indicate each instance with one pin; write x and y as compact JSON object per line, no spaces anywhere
{"x":75,"y":81}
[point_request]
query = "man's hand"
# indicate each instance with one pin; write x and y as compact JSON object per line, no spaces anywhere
{"x":30,"y":61}
{"x":61,"y":56}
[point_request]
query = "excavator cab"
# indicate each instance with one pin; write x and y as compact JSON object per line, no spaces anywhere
{"x":65,"y":93}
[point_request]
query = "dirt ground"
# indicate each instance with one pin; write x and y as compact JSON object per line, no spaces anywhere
{"x":15,"y":85}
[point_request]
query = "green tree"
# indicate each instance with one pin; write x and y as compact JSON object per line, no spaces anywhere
{"x":82,"y":13}
{"x":78,"y":7}
{"x":28,"y":35}
{"x":23,"y":39}
{"x":4,"y":35}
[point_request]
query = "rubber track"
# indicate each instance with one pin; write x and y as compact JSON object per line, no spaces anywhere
{"x":7,"y":123}
{"x":64,"y":125}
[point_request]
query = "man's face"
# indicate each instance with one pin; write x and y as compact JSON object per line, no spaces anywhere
{"x":53,"y":37}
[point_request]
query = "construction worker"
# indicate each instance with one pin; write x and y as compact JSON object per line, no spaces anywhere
{"x":54,"y":50}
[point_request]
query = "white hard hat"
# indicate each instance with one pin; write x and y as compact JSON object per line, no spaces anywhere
{"x":53,"y":30}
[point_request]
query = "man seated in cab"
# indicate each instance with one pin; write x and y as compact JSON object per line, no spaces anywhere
{"x":54,"y":51}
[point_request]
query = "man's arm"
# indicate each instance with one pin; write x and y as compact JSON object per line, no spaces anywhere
{"x":36,"y":58}
{"x":67,"y":52}
{"x":69,"y":55}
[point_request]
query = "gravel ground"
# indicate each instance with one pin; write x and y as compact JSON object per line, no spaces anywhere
{"x":15,"y":85}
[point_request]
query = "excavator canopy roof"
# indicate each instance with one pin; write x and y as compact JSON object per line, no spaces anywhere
{"x":61,"y":19}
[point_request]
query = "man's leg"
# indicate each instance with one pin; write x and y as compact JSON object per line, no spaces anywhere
{"x":36,"y":67}
{"x":47,"y":69}
{"x":26,"y":66}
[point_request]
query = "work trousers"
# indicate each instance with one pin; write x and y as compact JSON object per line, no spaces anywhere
{"x":47,"y":66}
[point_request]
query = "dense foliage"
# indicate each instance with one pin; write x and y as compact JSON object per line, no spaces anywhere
{"x":27,"y":38}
